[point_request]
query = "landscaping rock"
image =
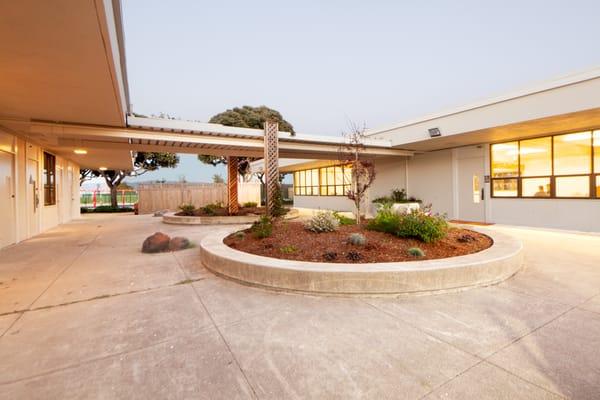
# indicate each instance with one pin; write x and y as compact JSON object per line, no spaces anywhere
{"x":156,"y":243}
{"x":160,"y":213}
{"x":179,"y":243}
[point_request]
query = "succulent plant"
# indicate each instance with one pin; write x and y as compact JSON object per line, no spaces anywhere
{"x":322,"y":222}
{"x":416,"y":252}
{"x":354,"y":256}
{"x":357,"y":239}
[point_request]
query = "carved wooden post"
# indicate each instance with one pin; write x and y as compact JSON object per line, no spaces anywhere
{"x":232,"y":185}
{"x":271,"y":163}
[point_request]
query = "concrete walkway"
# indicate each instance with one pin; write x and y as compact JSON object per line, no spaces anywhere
{"x":83,"y":314}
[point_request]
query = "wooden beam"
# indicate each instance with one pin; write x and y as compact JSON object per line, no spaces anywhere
{"x":232,"y":185}
{"x":271,"y":164}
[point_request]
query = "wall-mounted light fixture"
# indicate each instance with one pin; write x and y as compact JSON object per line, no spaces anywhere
{"x":80,"y":151}
{"x":102,"y":168}
{"x":434,"y":132}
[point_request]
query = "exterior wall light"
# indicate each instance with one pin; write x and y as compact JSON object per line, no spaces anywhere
{"x":80,"y":151}
{"x":102,"y":168}
{"x":434,"y":132}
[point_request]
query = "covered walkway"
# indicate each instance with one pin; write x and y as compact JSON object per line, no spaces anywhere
{"x":83,"y":314}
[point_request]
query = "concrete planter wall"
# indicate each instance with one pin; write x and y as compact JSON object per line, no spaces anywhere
{"x":487,"y":267}
{"x":173,"y":219}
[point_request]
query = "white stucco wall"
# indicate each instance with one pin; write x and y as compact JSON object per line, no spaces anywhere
{"x":25,"y":224}
{"x":332,"y":203}
{"x":390,"y":174}
{"x":578,"y":215}
{"x":430,"y":178}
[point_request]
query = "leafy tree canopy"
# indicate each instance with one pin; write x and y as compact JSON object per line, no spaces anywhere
{"x":245,"y":117}
{"x":251,"y":117}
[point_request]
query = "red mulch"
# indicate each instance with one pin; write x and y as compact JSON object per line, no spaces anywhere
{"x":380,"y":247}
{"x":222,"y":211}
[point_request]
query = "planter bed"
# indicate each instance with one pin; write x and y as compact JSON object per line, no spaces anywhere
{"x":486,"y":267}
{"x":248,"y":218}
{"x":291,"y":241}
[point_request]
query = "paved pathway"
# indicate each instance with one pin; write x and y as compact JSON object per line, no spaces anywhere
{"x":83,"y":314}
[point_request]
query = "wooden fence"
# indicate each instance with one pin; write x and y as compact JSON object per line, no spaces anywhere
{"x":169,"y":196}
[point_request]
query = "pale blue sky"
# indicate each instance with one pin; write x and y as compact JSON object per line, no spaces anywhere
{"x":322,"y":63}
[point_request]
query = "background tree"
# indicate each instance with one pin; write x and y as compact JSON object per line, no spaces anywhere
{"x":142,"y":163}
{"x":246,"y":117}
{"x":218,"y":179}
{"x":363,"y":171}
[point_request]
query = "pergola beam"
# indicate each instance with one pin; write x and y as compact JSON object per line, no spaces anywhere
{"x":232,"y":185}
{"x":271,"y":157}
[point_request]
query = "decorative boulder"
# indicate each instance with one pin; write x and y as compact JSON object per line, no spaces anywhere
{"x":179,"y":243}
{"x":156,"y":243}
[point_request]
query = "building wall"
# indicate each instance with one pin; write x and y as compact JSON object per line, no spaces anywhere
{"x":390,"y":174}
{"x":430,"y":178}
{"x":24,"y":222}
{"x":333,"y":203}
{"x":434,"y":178}
{"x":578,"y":215}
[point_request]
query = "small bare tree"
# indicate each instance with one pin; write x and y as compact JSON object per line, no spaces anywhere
{"x":363,"y":171}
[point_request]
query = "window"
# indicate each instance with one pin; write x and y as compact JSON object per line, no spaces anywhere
{"x":505,"y":160}
{"x":573,"y":186}
{"x":558,"y":166}
{"x":596,"y":152}
{"x":306,"y":183}
{"x":535,"y":157}
{"x":536,"y":187}
{"x":573,"y":154}
{"x":49,"y":179}
{"x":326,"y":181}
{"x":505,"y":187}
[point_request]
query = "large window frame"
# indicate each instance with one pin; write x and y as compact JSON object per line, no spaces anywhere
{"x":593,"y":176}
{"x":49,"y":179}
{"x":330,"y":181}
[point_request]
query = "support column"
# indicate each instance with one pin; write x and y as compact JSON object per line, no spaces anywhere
{"x":271,"y":163}
{"x":232,"y":185}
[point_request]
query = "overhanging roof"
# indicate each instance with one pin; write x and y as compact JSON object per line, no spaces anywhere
{"x":63,"y":60}
{"x":176,"y":136}
{"x":564,"y":104}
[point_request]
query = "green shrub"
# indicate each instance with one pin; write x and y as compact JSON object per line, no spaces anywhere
{"x":210,"y":209}
{"x":239,"y":235}
{"x":416,"y":252}
{"x":187,"y":209}
{"x":386,"y":220}
{"x":384,"y":200}
{"x":357,"y":239}
{"x":278,"y":208}
{"x":262,"y":228}
{"x":250,"y":204}
{"x":422,"y":226}
{"x":330,"y":255}
{"x":343,"y":220}
{"x":398,"y":195}
{"x":323,"y":221}
{"x":289,"y":249}
{"x":415,"y":224}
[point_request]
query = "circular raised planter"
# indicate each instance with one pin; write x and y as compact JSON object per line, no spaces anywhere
{"x":493,"y":265}
{"x":171,"y":218}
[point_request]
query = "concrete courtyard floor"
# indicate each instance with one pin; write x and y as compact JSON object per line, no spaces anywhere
{"x":83,"y":314}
